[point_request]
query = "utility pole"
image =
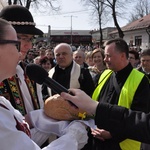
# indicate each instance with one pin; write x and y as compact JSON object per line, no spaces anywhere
{"x":71,"y":28}
{"x":49,"y":35}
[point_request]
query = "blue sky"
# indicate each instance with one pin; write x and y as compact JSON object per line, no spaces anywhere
{"x":80,"y":18}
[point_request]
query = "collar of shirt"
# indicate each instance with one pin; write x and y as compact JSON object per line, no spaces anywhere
{"x":123,"y":74}
{"x":70,"y":66}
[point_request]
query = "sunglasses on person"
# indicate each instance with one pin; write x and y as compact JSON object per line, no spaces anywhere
{"x":16,"y":43}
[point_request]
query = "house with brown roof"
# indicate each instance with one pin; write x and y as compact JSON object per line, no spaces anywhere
{"x":136,"y":33}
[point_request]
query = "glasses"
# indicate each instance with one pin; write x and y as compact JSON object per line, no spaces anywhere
{"x":131,"y":58}
{"x":26,"y":39}
{"x":143,"y":60}
{"x":16,"y":43}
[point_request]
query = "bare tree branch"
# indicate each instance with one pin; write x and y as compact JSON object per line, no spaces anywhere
{"x":140,"y":9}
{"x":40,"y":5}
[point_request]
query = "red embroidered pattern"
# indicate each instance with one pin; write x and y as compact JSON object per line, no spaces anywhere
{"x":15,"y":90}
{"x":20,"y":126}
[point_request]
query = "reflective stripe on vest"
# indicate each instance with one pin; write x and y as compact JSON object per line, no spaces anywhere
{"x":103,"y":78}
{"x":125,"y":99}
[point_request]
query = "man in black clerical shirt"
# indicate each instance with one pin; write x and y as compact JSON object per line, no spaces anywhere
{"x":120,"y":85}
{"x":68,"y":73}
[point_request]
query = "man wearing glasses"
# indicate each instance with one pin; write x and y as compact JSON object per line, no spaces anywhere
{"x":19,"y":89}
{"x":30,"y":56}
{"x":145,"y":62}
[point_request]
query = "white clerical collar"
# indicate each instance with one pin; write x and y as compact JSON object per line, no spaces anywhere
{"x":61,"y":68}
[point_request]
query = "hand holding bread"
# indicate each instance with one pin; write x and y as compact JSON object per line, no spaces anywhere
{"x":58,"y":108}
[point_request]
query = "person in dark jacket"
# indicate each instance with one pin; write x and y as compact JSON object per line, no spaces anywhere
{"x":118,"y":121}
{"x":68,"y":73}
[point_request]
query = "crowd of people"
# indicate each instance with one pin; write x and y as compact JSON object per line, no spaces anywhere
{"x":102,"y":64}
{"x":107,"y":77}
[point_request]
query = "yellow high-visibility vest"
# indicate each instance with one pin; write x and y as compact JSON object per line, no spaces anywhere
{"x":125,"y":99}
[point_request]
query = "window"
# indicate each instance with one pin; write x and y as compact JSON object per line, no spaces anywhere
{"x":138,"y":40}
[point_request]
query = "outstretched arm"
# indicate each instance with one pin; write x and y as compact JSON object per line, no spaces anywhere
{"x":124,"y":122}
{"x":121,"y":122}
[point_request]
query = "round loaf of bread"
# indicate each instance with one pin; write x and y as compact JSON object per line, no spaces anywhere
{"x":60,"y":109}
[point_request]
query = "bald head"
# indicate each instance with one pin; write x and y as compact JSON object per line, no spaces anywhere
{"x":63,"y":46}
{"x":63,"y":55}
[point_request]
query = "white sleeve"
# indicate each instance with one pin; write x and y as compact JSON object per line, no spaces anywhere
{"x":74,"y":138}
{"x":38,"y":137}
{"x":39,"y":94}
{"x":10,"y":137}
{"x":13,"y":139}
{"x":71,"y":134}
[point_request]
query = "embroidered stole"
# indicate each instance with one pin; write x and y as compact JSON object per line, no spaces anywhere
{"x":32,"y":92}
{"x":74,"y":76}
{"x":10,"y":89}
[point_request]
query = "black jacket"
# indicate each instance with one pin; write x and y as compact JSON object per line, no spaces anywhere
{"x":122,"y":122}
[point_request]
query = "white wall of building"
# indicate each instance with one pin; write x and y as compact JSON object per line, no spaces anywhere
{"x":130,"y":35}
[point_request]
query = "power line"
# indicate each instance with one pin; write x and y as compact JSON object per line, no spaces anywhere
{"x":75,"y":11}
{"x":63,"y":13}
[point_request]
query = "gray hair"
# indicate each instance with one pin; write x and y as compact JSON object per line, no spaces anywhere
{"x":145,"y":52}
